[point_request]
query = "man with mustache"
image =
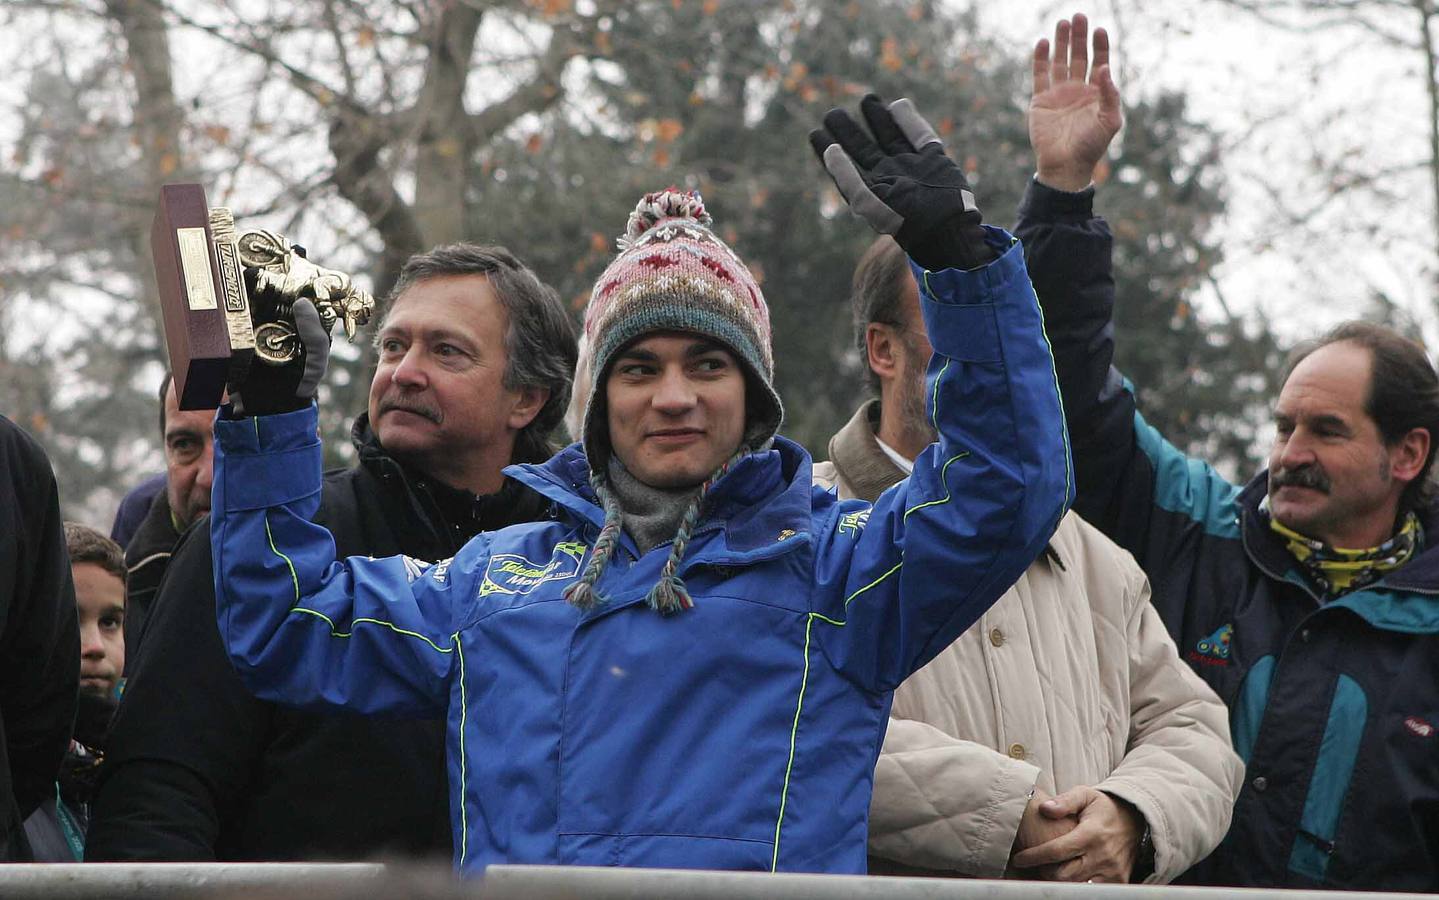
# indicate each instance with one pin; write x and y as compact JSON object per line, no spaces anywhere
{"x":474,"y":368}
{"x":1308,"y":598}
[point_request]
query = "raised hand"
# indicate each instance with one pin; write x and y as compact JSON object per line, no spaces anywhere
{"x":902,"y":183}
{"x":1074,"y":112}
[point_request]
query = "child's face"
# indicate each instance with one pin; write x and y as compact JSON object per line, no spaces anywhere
{"x":100,"y":601}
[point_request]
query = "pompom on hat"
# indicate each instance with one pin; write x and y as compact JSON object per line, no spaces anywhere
{"x":672,"y":274}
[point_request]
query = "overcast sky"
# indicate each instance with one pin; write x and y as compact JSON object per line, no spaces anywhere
{"x":1283,"y":99}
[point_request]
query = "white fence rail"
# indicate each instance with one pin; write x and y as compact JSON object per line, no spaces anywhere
{"x":314,"y":881}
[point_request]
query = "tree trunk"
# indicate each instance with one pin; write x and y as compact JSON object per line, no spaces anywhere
{"x":157,"y":121}
{"x":1431,"y":84}
{"x":443,"y":154}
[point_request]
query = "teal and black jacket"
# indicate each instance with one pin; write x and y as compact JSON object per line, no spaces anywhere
{"x":1334,"y":707}
{"x":740,"y":734}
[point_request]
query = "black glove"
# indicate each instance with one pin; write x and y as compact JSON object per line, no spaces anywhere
{"x":268,"y":389}
{"x":903,"y":184}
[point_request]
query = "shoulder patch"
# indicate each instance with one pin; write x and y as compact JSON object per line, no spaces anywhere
{"x":511,"y":573}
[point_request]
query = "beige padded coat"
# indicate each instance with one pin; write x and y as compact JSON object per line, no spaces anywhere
{"x":1070,"y":679}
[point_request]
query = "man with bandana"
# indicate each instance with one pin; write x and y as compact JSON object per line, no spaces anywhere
{"x":691,"y":665}
{"x":1308,"y":598}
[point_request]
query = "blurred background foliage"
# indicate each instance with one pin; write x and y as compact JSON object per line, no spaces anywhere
{"x":371,"y":129}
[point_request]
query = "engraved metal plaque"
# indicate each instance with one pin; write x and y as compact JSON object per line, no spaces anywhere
{"x":195,"y":261}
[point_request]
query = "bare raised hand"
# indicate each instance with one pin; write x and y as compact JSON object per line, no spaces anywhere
{"x":1074,"y":112}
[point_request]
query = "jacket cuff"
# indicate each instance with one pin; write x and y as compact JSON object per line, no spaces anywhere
{"x":1011,"y":792}
{"x":1044,"y":203}
{"x":959,"y":304}
{"x":268,"y":461}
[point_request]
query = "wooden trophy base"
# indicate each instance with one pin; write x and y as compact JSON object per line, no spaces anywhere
{"x":202,"y":295}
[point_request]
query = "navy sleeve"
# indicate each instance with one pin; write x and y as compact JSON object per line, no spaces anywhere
{"x":1139,"y":489}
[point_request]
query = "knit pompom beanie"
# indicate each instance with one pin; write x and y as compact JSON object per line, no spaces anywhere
{"x":672,"y":274}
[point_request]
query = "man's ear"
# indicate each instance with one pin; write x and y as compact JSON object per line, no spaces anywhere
{"x":882,"y":350}
{"x":1406,"y":458}
{"x":528,"y":405}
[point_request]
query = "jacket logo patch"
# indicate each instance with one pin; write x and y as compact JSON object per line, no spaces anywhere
{"x":511,"y":573}
{"x":1212,"y":650}
{"x":1419,"y":726}
{"x":853,"y":523}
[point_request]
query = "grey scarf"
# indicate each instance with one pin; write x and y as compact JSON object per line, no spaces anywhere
{"x":651,"y":515}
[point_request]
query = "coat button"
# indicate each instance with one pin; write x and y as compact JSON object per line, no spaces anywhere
{"x":1261,"y":784}
{"x":1304,"y":635}
{"x":996,"y":637}
{"x":1016,"y":751}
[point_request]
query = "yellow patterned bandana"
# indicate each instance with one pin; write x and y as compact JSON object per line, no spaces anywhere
{"x":1338,"y":571}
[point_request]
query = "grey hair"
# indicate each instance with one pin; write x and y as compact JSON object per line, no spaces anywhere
{"x":539,"y":342}
{"x":877,"y":294}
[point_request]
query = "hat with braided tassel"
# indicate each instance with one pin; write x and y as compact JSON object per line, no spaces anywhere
{"x":672,"y":274}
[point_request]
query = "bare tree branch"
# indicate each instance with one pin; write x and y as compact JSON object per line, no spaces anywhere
{"x":361,"y":179}
{"x":342,"y":53}
{"x":536,"y":95}
{"x":259,"y":46}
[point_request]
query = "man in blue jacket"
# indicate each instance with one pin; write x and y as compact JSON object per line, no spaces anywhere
{"x":1307,"y":598}
{"x":692,"y":664}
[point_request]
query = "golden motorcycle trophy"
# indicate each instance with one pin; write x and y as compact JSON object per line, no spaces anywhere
{"x":226,"y":298}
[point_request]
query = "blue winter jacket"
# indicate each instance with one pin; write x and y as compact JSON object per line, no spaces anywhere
{"x":741,"y":734}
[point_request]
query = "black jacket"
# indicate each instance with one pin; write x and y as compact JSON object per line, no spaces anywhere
{"x":39,"y":635}
{"x":146,"y":557}
{"x":198,"y":769}
{"x":1334,"y":707}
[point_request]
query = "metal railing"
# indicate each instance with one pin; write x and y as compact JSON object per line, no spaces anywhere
{"x":324,"y":881}
{"x":565,"y":882}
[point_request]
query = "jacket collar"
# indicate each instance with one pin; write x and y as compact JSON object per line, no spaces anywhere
{"x":861,"y":461}
{"x":439,"y":506}
{"x":868,"y":471}
{"x":761,"y":508}
{"x":1405,"y":600}
{"x":156,"y":537}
